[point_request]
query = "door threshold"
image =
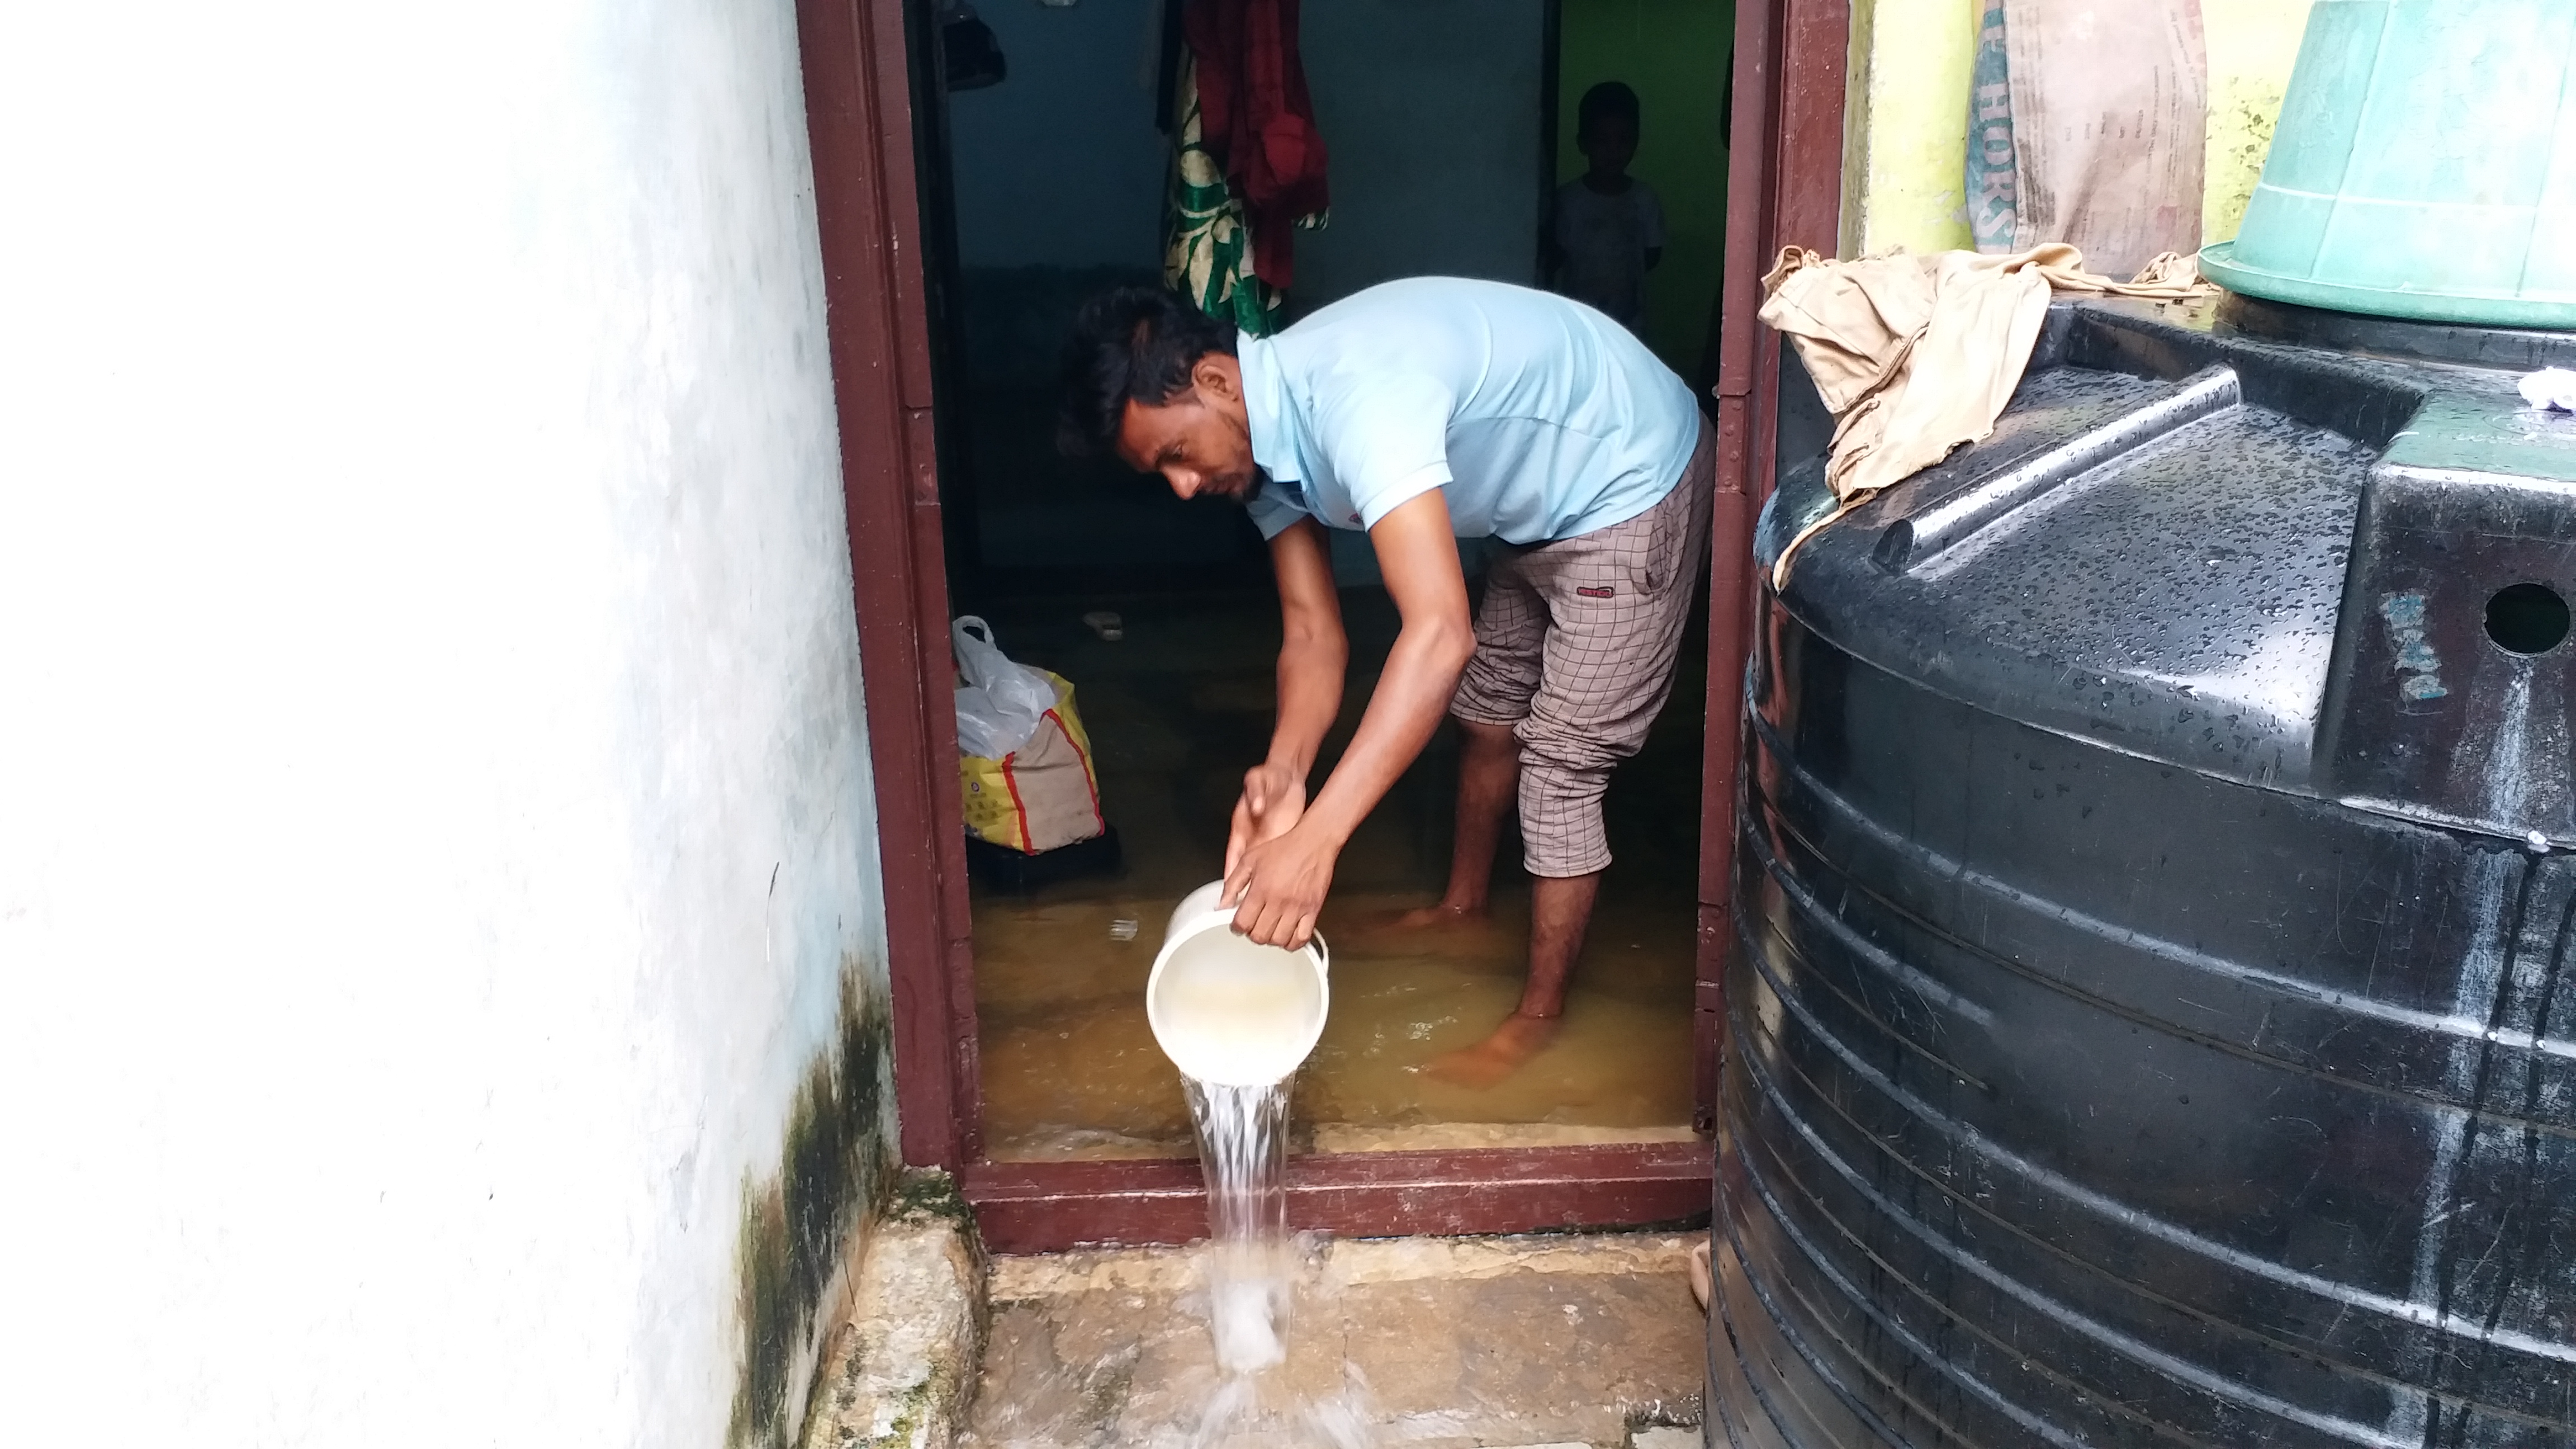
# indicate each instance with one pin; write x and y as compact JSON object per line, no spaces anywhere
{"x":1048,"y":1207}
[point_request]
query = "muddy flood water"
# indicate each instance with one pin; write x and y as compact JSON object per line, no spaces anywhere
{"x":1177,"y":709}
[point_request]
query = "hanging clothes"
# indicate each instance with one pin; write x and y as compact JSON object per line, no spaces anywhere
{"x":1257,"y":122}
{"x":1209,"y":255}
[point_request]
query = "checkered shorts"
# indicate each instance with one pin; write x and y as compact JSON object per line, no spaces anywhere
{"x":1575,"y":645}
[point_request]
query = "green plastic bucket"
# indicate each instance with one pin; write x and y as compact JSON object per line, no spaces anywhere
{"x":2424,"y":167}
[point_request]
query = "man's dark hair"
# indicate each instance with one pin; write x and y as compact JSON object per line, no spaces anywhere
{"x":1134,"y":344}
{"x":1608,"y":101}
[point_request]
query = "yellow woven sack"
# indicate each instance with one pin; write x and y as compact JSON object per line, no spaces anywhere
{"x":1043,"y":794}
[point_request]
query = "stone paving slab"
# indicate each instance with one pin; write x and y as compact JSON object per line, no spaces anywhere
{"x":1426,"y":1343}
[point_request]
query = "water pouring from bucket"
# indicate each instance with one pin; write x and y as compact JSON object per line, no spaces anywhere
{"x":1238,"y":1018}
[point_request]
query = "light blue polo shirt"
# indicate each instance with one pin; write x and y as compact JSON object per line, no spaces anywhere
{"x":1540,"y":418}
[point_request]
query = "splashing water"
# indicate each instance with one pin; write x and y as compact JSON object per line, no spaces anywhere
{"x":1243,"y":1147}
{"x":1251,"y":1268}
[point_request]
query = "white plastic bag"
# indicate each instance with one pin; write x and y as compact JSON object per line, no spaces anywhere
{"x":2551,"y":387}
{"x":1001,"y":703}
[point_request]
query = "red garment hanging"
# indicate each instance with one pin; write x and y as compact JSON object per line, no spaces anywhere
{"x":1254,"y":116}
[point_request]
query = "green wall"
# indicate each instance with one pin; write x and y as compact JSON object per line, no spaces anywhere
{"x":1673,"y":53}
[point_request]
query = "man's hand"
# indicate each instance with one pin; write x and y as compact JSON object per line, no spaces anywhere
{"x":1276,"y":883}
{"x":1274,"y":799}
{"x":1280,"y":886}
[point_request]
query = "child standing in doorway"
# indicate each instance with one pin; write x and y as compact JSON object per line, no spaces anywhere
{"x":1607,"y":231}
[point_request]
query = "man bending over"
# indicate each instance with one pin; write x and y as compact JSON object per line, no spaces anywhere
{"x":1422,"y":411}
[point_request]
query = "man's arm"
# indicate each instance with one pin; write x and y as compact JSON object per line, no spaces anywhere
{"x":1281,"y":882}
{"x":1312,"y":653}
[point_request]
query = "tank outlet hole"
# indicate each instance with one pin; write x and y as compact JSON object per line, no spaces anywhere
{"x":2527,"y":618}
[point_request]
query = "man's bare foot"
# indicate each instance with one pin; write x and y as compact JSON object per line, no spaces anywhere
{"x":1433,"y":918}
{"x":1513,"y":1043}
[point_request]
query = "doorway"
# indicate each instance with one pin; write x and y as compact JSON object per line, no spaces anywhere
{"x":1069,"y":1125}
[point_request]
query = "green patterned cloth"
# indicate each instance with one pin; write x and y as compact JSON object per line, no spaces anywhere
{"x":1210,"y":253}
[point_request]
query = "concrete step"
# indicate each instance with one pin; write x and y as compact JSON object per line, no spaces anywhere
{"x":1425,"y":1343}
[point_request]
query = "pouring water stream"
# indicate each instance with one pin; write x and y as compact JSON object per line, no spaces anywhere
{"x":1238,"y":1019}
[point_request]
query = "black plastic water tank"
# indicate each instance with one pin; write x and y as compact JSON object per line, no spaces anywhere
{"x":2150,"y":1021}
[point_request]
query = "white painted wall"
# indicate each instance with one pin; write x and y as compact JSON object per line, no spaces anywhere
{"x":434,"y":812}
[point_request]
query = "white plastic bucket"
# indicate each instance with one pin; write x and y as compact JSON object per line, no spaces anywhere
{"x":1227,"y":1010}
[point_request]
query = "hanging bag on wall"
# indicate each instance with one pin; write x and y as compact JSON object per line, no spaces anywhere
{"x":1024,"y":761}
{"x":2104,"y":112}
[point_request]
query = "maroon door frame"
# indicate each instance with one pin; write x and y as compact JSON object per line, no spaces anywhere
{"x":1783,"y":188}
{"x":1785,"y":185}
{"x":858,"y":112}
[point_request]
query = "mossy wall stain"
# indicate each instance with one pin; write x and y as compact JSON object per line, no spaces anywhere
{"x":797,"y":1225}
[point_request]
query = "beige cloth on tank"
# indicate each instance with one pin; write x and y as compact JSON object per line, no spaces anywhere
{"x":1916,"y":355}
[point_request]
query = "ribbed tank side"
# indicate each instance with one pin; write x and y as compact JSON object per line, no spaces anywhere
{"x":2074,"y":1098}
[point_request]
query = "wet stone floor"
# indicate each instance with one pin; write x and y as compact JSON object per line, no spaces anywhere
{"x":1176,"y":711}
{"x":1430,"y":1343}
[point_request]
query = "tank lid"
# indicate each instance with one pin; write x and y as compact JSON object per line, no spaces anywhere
{"x":2319,"y":572}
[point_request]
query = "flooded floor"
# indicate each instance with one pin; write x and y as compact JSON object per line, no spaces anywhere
{"x":1177,"y":710}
